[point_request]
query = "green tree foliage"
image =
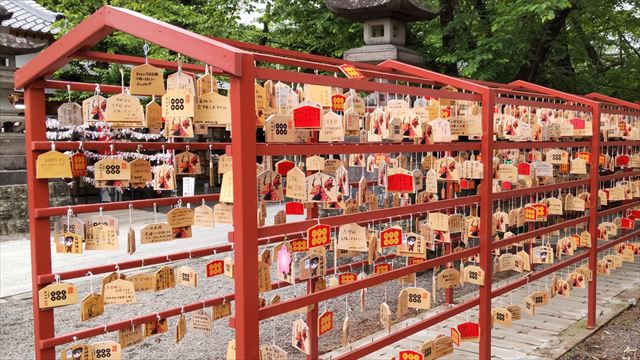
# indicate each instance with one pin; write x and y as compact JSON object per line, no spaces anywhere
{"x":578,"y":46}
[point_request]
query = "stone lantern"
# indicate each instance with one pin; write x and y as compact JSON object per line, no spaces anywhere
{"x":384,"y":27}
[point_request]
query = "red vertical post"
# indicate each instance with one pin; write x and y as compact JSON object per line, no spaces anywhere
{"x":38,"y":191}
{"x":593,"y":216}
{"x":486,"y":206}
{"x":312,"y":315}
{"x":245,"y":205}
{"x":448,"y":293}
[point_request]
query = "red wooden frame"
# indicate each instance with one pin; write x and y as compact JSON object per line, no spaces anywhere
{"x":237,"y":61}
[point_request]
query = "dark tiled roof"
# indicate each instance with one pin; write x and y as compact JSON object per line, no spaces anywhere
{"x":29,"y":16}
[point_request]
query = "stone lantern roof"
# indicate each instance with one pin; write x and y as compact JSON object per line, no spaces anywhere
{"x":362,"y":10}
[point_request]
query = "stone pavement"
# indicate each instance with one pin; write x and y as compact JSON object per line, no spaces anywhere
{"x":555,"y":328}
{"x":15,"y":259}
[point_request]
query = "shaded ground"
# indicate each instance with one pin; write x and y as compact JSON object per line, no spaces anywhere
{"x":617,"y":340}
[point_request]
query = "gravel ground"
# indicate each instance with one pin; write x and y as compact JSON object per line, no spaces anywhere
{"x":618,"y":339}
{"x":16,"y":317}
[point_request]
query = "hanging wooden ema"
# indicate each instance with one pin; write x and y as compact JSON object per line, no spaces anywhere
{"x":52,"y":165}
{"x":279,"y":129}
{"x":418,"y":298}
{"x":415,"y":246}
{"x":156,"y":232}
{"x":501,"y":316}
{"x":94,"y":108}
{"x":187,"y":163}
{"x":212,"y":109}
{"x":140,"y":170}
{"x":332,"y":129}
{"x":101,"y":237}
{"x":300,"y":336}
{"x":296,"y":184}
{"x":112,"y":169}
{"x":352,"y":237}
{"x":207,"y":83}
{"x":313,"y":264}
{"x":285,"y":269}
{"x":318,"y":235}
{"x":321,"y":187}
{"x":164,"y":177}
{"x":119,"y":292}
{"x":272,"y":352}
{"x":307,"y":117}
{"x":325,"y":322}
{"x":448,"y":278}
{"x":384,"y":315}
{"x":214,"y":268}
{"x":399,"y":180}
{"x":146,"y":79}
{"x":186,"y":276}
{"x":469,"y":331}
{"x":70,"y":113}
{"x":57,"y":294}
{"x":410,"y":355}
{"x":270,"y":186}
{"x":473,"y":275}
{"x":226,"y":188}
{"x":105,"y":350}
{"x":391,"y":236}
{"x":130,"y":336}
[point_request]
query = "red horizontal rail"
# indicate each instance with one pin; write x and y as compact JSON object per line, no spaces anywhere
{"x":360,"y":148}
{"x":622,"y":238}
{"x":76,"y":86}
{"x":403,"y":333}
{"x":365,"y":217}
{"x":126,"y":146}
{"x":301,"y":301}
{"x":305,"y":64}
{"x":137,"y":204}
{"x":446,"y":314}
{"x":618,"y":175}
{"x":539,"y":189}
{"x":297,"y":77}
{"x":537,"y":232}
{"x":614,"y":210}
{"x":538,"y":103}
{"x":135,"y":60}
{"x":99,"y":330}
{"x":620,"y":142}
{"x":500,"y":145}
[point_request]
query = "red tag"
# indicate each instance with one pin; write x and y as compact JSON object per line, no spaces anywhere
{"x":294,"y":208}
{"x":541,"y":210}
{"x":469,"y":330}
{"x":283,"y":167}
{"x":464,"y":184}
{"x":455,"y":336}
{"x":506,"y":185}
{"x":216,"y":267}
{"x":347,"y":278}
{"x":307,"y":117}
{"x":622,"y":160}
{"x":319,"y":235}
{"x":530,"y":213}
{"x":337,"y":102}
{"x":350,"y":71}
{"x":299,"y":245}
{"x":400,"y":182}
{"x":524,"y":169}
{"x":578,"y":124}
{"x":390,"y":237}
{"x":381,"y":268}
{"x":634,"y":214}
{"x":413,"y":260}
{"x":325,"y":322}
{"x":627,"y":223}
{"x":586,"y":156}
{"x":410,"y":355}
{"x":78,"y":165}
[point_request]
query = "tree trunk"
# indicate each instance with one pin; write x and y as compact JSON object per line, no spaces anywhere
{"x":540,"y":45}
{"x":447,"y":13}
